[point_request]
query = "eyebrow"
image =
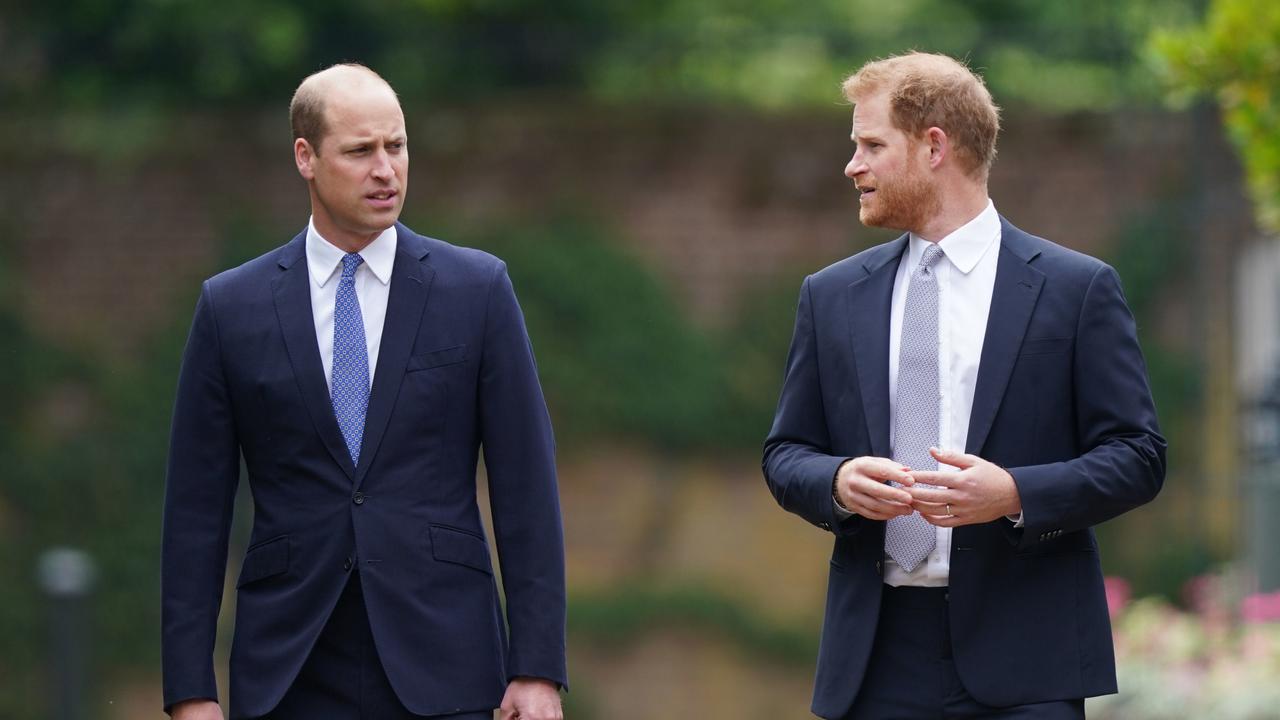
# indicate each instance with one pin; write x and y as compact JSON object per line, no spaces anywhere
{"x":373,"y":139}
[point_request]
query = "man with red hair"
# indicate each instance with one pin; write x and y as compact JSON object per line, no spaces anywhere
{"x":960,"y":407}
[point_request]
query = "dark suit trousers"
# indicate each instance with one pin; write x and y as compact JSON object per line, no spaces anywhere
{"x":343,"y":678}
{"x":912,"y":675}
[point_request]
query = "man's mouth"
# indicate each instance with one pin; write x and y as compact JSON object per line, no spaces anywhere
{"x":382,"y":198}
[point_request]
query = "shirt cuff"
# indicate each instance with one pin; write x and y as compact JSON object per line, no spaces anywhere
{"x":842,"y":514}
{"x":1015,"y":519}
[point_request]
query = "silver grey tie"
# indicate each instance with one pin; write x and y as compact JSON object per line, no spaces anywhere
{"x":909,"y":539}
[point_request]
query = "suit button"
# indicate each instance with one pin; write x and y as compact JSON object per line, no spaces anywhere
{"x":358,"y":498}
{"x":879,"y":567}
{"x":346,"y":566}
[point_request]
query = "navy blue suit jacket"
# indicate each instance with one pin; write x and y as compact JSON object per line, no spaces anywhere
{"x":1062,"y":403}
{"x":455,"y":373}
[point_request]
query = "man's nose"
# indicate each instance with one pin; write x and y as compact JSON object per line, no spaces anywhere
{"x":382,"y":166}
{"x":855,"y":167}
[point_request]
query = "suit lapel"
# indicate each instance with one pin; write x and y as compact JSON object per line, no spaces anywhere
{"x":410,"y":285}
{"x":870,"y":300}
{"x":292,"y":292}
{"x":1017,"y":288}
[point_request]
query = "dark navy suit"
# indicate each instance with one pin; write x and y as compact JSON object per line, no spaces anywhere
{"x":1061,"y":402}
{"x":455,"y":373}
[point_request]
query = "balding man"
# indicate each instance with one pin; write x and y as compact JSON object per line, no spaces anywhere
{"x":961,"y":406}
{"x":359,"y":370}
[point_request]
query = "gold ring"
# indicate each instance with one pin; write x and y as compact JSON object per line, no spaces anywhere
{"x":949,"y":513}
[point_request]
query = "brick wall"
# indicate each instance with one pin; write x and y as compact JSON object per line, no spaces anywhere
{"x":718,"y":201}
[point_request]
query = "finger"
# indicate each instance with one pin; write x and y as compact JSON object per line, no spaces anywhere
{"x":870,"y":507}
{"x":940,"y":478}
{"x":938,"y":509}
{"x":882,"y":491}
{"x":883,"y":470}
{"x":877,"y":509}
{"x":944,"y":520}
{"x":931,"y":495}
{"x":953,"y":458}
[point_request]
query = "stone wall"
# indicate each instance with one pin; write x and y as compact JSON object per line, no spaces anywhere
{"x":718,"y":201}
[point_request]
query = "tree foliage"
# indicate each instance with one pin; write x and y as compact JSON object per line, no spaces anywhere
{"x":1053,"y":56}
{"x":765,"y":53}
{"x":616,"y":356}
{"x":168,"y":52}
{"x":1235,"y":57}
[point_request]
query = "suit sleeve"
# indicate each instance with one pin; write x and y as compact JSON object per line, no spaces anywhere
{"x":200,"y":487}
{"x":519,"y":453}
{"x":798,"y":465}
{"x":1122,"y":463}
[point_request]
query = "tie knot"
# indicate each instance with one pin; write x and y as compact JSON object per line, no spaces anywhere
{"x":932,"y":254}
{"x":350,"y":262}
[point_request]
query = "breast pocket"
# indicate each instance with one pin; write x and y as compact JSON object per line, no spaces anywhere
{"x":437,"y":358}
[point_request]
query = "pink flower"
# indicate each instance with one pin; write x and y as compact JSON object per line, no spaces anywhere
{"x":1118,"y":594}
{"x":1261,"y":607}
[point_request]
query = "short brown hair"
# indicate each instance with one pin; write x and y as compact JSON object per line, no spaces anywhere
{"x":306,"y":110}
{"x":930,"y":90}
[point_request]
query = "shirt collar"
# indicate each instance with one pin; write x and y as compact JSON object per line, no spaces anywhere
{"x":967,"y":244}
{"x":324,"y":258}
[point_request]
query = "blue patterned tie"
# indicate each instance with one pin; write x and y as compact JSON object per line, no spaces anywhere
{"x":350,"y":359}
{"x":909,"y":538}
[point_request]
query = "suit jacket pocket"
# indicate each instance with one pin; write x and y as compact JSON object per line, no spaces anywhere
{"x":437,"y":358}
{"x":460,"y":547}
{"x":264,"y":560}
{"x":1045,"y":346}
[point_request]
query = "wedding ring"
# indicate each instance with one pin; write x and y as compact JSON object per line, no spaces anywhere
{"x":949,"y":513}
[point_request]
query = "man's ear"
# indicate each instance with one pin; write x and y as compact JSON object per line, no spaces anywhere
{"x":303,"y":156}
{"x":939,"y":145}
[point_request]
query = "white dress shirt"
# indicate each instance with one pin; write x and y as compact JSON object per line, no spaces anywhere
{"x":373,"y":287}
{"x":966,"y":279}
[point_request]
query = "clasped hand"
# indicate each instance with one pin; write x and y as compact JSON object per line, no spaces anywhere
{"x":980,"y":492}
